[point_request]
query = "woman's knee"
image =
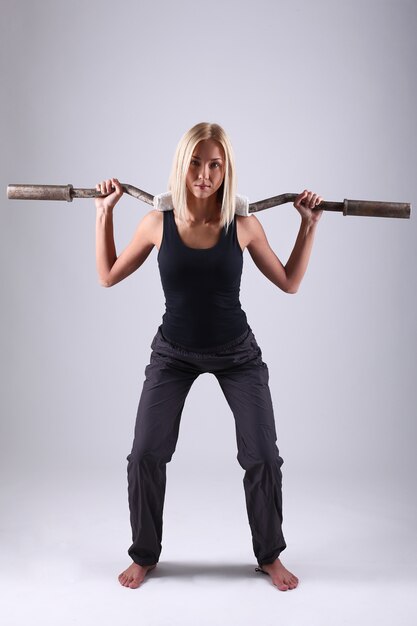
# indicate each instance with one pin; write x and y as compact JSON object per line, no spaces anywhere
{"x":144,"y":455}
{"x":266,"y":455}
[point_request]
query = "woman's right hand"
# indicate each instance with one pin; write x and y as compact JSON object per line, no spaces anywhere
{"x":114,"y":189}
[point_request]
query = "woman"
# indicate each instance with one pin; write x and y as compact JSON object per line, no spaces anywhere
{"x":204,"y":329}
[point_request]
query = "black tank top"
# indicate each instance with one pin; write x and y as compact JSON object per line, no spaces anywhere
{"x":201,"y":287}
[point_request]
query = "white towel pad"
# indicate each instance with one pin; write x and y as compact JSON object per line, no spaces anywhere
{"x":163,"y":202}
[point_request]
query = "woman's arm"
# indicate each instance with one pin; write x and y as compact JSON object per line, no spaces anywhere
{"x":110,"y":267}
{"x":288,"y":277}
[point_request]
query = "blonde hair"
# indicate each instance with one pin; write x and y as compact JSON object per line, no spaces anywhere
{"x":182,"y":158}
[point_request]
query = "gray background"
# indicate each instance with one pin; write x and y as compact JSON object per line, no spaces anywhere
{"x":318,"y":95}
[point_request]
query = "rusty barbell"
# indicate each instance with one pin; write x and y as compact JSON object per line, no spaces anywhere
{"x":369,"y":208}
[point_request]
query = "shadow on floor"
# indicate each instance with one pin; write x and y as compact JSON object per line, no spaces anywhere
{"x":177,"y":569}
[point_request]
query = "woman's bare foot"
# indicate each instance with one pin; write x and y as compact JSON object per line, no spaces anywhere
{"x":281,"y":577}
{"x":134,"y":575}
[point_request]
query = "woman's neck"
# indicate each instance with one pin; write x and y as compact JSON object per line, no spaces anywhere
{"x":202,"y":210}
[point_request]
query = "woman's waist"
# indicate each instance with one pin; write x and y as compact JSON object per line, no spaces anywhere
{"x":202,"y":335}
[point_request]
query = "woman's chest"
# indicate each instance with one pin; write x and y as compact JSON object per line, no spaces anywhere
{"x":202,"y":237}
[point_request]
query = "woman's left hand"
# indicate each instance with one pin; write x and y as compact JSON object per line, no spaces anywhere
{"x":305,"y":203}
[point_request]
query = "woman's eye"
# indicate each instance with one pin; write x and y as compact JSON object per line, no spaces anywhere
{"x":214,"y":165}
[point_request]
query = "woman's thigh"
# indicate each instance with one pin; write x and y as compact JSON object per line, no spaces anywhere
{"x":161,"y":402}
{"x":246,"y":389}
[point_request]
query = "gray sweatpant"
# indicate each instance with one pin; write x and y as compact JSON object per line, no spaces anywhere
{"x":244,"y":379}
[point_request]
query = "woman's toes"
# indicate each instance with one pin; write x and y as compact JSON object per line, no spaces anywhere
{"x":282,"y":586}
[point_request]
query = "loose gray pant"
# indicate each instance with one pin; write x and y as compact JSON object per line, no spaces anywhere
{"x":243,"y":377}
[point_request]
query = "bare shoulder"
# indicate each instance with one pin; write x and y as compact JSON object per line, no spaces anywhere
{"x":249,"y":230}
{"x":151,"y":226}
{"x":153,"y":217}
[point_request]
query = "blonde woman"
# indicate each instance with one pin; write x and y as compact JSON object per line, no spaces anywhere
{"x":200,"y":242}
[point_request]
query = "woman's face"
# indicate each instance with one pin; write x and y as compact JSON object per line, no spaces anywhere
{"x":206,"y":170}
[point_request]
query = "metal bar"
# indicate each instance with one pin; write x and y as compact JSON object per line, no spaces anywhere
{"x":369,"y":208}
{"x":67,"y":192}
{"x":261,"y":205}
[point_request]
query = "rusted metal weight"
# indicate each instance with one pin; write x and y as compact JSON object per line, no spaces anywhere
{"x":347,"y":207}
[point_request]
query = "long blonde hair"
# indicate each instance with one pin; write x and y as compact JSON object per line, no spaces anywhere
{"x":182,"y":158}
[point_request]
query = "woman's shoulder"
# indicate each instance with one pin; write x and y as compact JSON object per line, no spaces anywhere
{"x":247,"y":223}
{"x":249,"y":229}
{"x":155,"y":215}
{"x":155,"y":220}
{"x":245,"y":229}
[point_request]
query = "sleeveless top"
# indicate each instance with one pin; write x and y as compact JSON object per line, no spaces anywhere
{"x":201,"y":287}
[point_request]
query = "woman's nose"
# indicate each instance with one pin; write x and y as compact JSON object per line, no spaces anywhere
{"x":204,"y":171}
